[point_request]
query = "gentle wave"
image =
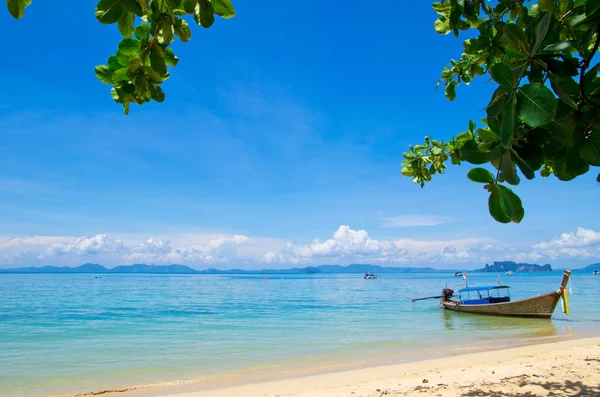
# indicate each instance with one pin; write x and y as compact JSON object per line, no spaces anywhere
{"x":72,"y":334}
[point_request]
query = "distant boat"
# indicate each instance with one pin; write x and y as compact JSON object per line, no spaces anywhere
{"x":509,"y":273}
{"x":495,"y":300}
{"x":597,"y":272}
{"x":458,"y":274}
{"x":369,"y":276}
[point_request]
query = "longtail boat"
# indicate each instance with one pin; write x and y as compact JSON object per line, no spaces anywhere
{"x":495,"y":300}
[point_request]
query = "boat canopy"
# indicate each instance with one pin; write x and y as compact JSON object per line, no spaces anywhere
{"x":483,"y":288}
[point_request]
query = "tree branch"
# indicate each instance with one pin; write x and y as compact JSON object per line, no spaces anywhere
{"x":585,"y":64}
{"x":160,"y":10}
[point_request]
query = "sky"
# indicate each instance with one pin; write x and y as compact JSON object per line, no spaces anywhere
{"x":279,"y":144}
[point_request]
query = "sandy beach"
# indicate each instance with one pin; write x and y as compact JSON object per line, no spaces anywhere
{"x":566,"y":368}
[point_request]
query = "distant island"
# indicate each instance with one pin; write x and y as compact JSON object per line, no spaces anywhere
{"x":514,"y":267}
{"x":594,"y":267}
{"x":92,"y":268}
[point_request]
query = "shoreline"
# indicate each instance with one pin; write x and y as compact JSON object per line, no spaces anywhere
{"x":569,"y":365}
{"x":291,"y":381}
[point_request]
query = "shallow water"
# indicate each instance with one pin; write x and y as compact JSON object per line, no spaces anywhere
{"x":67,"y":334}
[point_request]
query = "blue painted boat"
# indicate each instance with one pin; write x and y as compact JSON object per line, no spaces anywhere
{"x":495,"y":300}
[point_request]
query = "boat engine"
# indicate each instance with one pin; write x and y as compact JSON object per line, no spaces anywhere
{"x":447,"y":294}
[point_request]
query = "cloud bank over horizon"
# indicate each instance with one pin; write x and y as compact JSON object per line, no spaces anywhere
{"x":345,"y":246}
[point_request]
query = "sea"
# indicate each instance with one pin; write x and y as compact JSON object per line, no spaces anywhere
{"x":63,"y":335}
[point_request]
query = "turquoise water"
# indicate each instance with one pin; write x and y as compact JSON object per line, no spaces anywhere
{"x":68,"y":334}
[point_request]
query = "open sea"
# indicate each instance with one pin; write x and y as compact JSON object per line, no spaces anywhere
{"x":70,"y":334}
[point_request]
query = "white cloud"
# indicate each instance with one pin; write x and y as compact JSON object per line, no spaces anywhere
{"x":581,"y":238}
{"x":414,"y":220}
{"x":345,"y":246}
{"x":87,"y":246}
{"x":108,"y":250}
{"x":348,"y":245}
{"x":583,"y":243}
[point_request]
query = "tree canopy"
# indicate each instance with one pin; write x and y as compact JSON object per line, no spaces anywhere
{"x":543,"y":115}
{"x":142,"y":60}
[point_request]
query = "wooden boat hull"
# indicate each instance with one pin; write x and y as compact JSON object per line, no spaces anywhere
{"x":541,"y":306}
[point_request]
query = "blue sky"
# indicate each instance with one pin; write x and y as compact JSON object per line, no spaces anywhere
{"x":283,"y":125}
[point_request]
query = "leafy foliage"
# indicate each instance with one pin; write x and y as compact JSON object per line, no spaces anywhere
{"x":141,"y":63}
{"x":543,"y":116}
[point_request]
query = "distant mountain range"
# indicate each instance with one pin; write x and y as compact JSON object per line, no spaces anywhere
{"x":514,"y":267}
{"x":91,"y":268}
{"x":589,"y":269}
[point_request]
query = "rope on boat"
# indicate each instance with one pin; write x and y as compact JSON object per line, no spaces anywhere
{"x":565,"y":298}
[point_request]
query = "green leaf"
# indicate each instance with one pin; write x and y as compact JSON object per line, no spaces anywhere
{"x":560,"y":67}
{"x":557,"y":85}
{"x":123,"y":59}
{"x":451,"y":91}
{"x":115,"y":94}
{"x":536,"y":104}
{"x":223,"y":8}
{"x":141,"y":82}
{"x":546,"y":5}
{"x":182,"y":30}
{"x":503,"y":75}
{"x":472,"y":126}
{"x":496,"y":104}
{"x":494,"y":206}
{"x":145,"y":7}
{"x":515,"y":36}
{"x":509,"y":171}
{"x":570,"y":166}
{"x":486,"y":146}
{"x":109,"y":11}
{"x":463,"y":137}
{"x":442,"y":8}
{"x":157,"y":93}
{"x":17,"y":7}
{"x":170,"y":58}
{"x":471,"y":153}
{"x":511,"y":204}
{"x":154,"y":77}
{"x":561,"y":45}
{"x":442,"y":25}
{"x":120,"y":75}
{"x":167,"y":31}
{"x":113,"y":63}
{"x":129,"y":47}
{"x":157,"y":60}
{"x":541,"y":29}
{"x":487,"y":135}
{"x":590,"y":149}
{"x":480,"y":175}
{"x":522,"y":164}
{"x":133,"y":6}
{"x":189,"y":6}
{"x":134,"y":66}
{"x":592,"y":7}
{"x":561,"y":132}
{"x":126,"y":24}
{"x":507,"y":123}
{"x":142,"y":31}
{"x":205,"y":14}
{"x":104,"y":74}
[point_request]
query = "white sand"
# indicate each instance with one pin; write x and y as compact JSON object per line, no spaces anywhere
{"x":568,"y":368}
